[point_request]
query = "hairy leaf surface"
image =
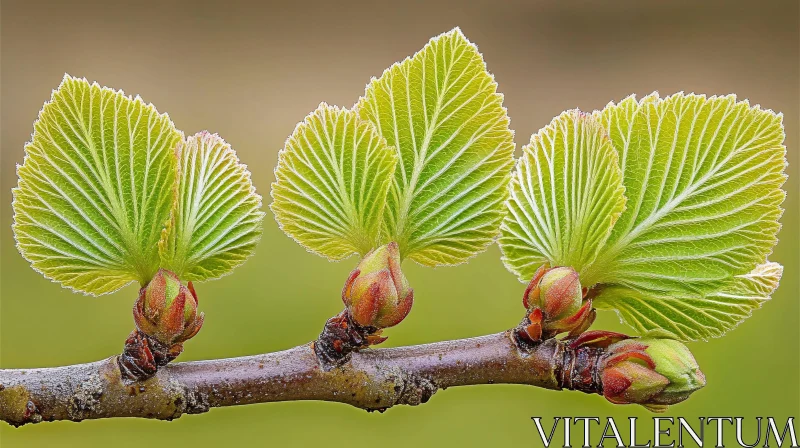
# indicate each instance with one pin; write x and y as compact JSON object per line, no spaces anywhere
{"x":695,"y":317}
{"x":440,"y":109}
{"x":331,"y":183}
{"x":703,"y":179}
{"x":95,"y":188}
{"x":566,"y":194}
{"x":216,"y":219}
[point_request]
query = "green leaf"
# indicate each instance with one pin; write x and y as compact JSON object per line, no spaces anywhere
{"x":441,"y":110}
{"x":703,"y":179}
{"x":566,"y":194}
{"x":94,"y":189}
{"x":216,"y":220}
{"x":331,"y":183}
{"x":694,"y":317}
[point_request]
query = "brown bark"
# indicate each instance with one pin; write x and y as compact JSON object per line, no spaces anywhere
{"x":372,"y":379}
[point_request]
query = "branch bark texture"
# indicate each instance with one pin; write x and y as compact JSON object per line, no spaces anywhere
{"x":371,"y":379}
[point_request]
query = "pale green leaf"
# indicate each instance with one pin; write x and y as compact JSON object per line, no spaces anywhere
{"x":441,"y":110}
{"x":95,"y":188}
{"x":331,"y":183}
{"x":566,"y":194}
{"x":216,"y":219}
{"x":694,"y":317}
{"x":703,"y":179}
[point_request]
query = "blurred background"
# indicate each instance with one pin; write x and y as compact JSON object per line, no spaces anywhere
{"x":251,"y":70}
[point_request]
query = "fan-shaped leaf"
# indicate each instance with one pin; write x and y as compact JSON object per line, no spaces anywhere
{"x":694,"y":317}
{"x":566,"y":194}
{"x":331,"y":183}
{"x":441,"y":110}
{"x":703,"y":179}
{"x":216,"y":219}
{"x":95,"y":190}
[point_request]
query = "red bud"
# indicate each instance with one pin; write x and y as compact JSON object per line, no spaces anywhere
{"x":377,"y":293}
{"x":557,"y":295}
{"x":167,"y":310}
{"x":651,"y":372}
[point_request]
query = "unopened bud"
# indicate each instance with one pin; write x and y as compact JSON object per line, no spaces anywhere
{"x":166,"y":310}
{"x":556,"y":304}
{"x":650,"y":372}
{"x":377,"y":293}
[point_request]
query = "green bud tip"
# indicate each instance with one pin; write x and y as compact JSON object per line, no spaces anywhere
{"x":650,"y":372}
{"x":167,"y":310}
{"x":377,"y":294}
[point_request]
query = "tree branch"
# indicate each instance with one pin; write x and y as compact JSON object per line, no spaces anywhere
{"x":372,"y":379}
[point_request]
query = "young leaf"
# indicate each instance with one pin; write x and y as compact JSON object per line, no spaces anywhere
{"x":441,"y":110}
{"x":703,"y":179}
{"x":94,"y":189}
{"x":566,"y":194}
{"x":216,"y":219}
{"x":686,"y":316}
{"x":331,"y":183}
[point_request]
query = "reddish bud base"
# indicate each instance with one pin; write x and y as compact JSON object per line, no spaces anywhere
{"x":577,"y":366}
{"x":143,"y":355}
{"x":340,"y":336}
{"x":579,"y":370}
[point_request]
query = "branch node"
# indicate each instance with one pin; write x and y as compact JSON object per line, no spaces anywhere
{"x":143,"y":355}
{"x":521,"y":338}
{"x":340,"y":336}
{"x":577,"y":369}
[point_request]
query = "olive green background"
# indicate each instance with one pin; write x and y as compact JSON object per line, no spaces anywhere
{"x":251,"y":70}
